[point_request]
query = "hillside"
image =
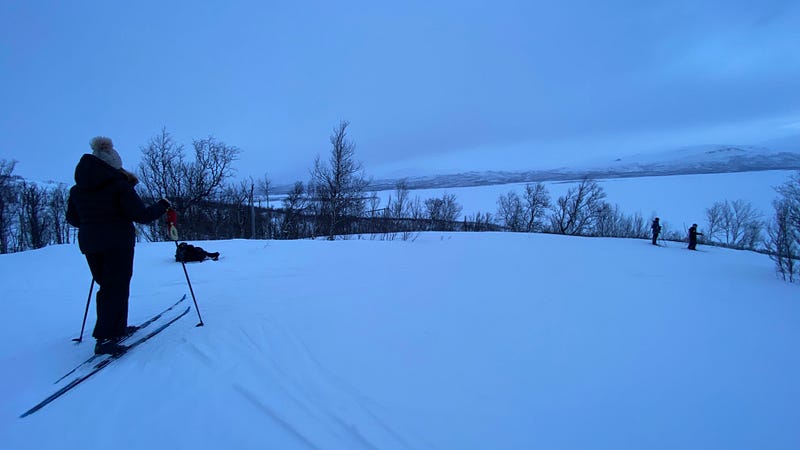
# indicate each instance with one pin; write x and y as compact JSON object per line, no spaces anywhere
{"x":708,"y":159}
{"x":449,"y":341}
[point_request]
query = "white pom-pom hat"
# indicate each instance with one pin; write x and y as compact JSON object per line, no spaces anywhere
{"x":103,"y":148}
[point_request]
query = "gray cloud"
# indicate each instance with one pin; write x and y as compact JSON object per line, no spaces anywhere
{"x":414,"y":78}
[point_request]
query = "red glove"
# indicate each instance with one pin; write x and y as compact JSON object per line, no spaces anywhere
{"x":172,"y":221}
{"x":172,"y":217}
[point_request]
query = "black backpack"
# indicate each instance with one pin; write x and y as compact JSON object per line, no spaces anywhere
{"x":188,"y":253}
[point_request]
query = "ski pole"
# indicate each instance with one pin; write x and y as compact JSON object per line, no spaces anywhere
{"x":191,"y":290}
{"x":79,"y":339}
{"x":172,"y":220}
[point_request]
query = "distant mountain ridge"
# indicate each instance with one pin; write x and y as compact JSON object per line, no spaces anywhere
{"x":685,"y":161}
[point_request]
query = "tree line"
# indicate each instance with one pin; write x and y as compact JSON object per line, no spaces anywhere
{"x":336,"y":202}
{"x":31,"y":215}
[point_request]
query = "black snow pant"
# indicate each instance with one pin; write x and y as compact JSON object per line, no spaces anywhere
{"x":655,"y":237}
{"x":112,"y":271}
{"x":692,"y":244}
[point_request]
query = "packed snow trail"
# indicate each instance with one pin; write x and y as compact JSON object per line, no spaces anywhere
{"x":449,"y":341}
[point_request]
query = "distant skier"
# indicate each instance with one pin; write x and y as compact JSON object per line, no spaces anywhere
{"x":103,"y":206}
{"x":693,"y":236}
{"x":656,"y":227}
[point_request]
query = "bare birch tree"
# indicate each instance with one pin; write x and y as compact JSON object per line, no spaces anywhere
{"x":577,"y":211}
{"x":294,"y":208}
{"x":57,"y":204}
{"x":536,"y":203}
{"x":735,"y":224}
{"x":443,"y":212}
{"x":7,"y":200}
{"x":783,"y":241}
{"x":339,"y":185}
{"x":191,"y":186}
{"x":510,"y":212}
{"x":34,"y":221}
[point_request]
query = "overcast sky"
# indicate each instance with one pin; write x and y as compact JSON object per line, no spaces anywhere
{"x":427,"y":86}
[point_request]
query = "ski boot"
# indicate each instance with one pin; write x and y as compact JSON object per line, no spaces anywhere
{"x":109,"y":347}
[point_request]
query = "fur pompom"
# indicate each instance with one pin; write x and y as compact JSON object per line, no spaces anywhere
{"x":101,"y":144}
{"x":103,"y":148}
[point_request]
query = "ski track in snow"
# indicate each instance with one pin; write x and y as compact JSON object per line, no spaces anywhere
{"x":454,"y":340}
{"x":286,"y":384}
{"x":316,"y":389}
{"x":275,"y":417}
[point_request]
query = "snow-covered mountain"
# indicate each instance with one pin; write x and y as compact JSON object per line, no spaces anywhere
{"x":700,"y":159}
{"x":684,"y":161}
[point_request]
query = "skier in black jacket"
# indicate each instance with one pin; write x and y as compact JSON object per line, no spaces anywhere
{"x":656,"y":227}
{"x":693,"y":237}
{"x":104,"y":205}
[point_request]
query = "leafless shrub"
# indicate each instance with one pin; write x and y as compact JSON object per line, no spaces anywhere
{"x":511,"y":213}
{"x":578,"y":211}
{"x":442,"y":212}
{"x":735,"y":224}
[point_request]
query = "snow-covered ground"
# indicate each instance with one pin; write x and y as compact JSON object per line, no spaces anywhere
{"x":448,"y":341}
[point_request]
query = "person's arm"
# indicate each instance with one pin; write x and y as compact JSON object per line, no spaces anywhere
{"x":136,"y":210}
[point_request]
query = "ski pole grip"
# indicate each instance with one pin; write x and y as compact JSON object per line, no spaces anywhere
{"x":173,"y":232}
{"x":172,"y":221}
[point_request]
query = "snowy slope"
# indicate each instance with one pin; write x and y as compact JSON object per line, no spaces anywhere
{"x":450,"y":341}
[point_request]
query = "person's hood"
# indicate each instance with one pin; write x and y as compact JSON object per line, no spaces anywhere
{"x":92,"y":173}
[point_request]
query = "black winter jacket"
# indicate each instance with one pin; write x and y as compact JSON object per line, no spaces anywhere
{"x":104,"y":205}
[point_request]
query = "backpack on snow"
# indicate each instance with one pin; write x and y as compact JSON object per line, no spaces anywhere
{"x":188,"y":253}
